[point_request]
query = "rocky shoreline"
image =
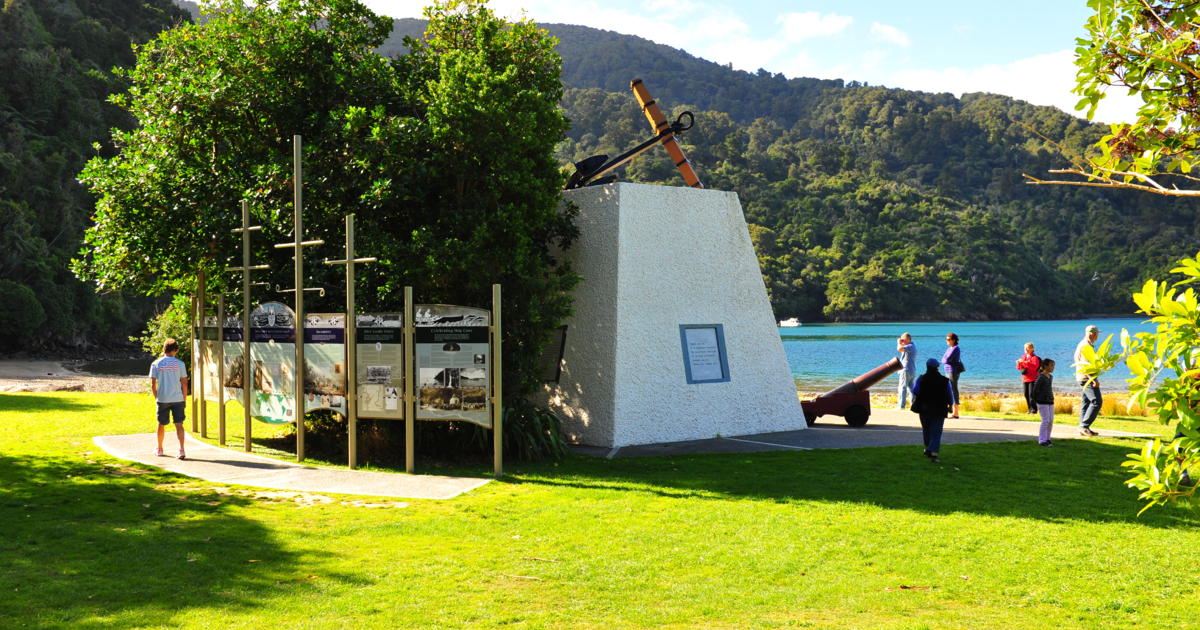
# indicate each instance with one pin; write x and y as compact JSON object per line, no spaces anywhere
{"x":57,"y":376}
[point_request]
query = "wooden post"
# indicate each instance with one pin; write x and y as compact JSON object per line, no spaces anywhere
{"x":297,"y":245}
{"x":497,"y":388}
{"x":410,"y":400}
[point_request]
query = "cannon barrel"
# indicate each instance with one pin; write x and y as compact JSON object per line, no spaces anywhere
{"x":864,"y":381}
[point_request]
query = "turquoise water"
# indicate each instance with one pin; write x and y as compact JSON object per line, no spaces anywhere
{"x":823,"y":356}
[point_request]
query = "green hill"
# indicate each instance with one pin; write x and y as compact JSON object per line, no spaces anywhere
{"x":55,"y":59}
{"x":874,"y":203}
{"x":864,"y":202}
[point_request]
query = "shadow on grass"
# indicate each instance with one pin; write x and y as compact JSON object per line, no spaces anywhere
{"x":90,"y":546}
{"x":1073,"y":480}
{"x":25,"y":402}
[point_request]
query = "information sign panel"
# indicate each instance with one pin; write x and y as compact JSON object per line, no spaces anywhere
{"x":325,"y":359}
{"x":235,"y":364}
{"x":209,"y":337}
{"x":380,"y":365}
{"x":452,"y":360}
{"x":273,"y":357}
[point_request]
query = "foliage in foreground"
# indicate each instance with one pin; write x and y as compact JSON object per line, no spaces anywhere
{"x":1147,"y":49}
{"x":1165,"y":365}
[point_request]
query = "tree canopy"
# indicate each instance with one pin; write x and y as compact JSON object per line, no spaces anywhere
{"x":445,"y":155}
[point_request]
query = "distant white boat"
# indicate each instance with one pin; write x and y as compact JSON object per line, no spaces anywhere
{"x":790,"y":322}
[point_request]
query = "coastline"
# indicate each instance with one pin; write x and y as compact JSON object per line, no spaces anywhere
{"x":40,"y":375}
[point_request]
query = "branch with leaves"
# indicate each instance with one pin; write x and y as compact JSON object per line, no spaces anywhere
{"x":1149,"y":48}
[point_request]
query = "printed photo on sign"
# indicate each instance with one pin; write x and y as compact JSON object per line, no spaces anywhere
{"x":452,"y":352}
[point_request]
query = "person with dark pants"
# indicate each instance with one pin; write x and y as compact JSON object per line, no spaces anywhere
{"x":169,"y":386}
{"x":953,"y":366}
{"x":1089,"y":407}
{"x":1028,"y":366}
{"x":932,"y":400}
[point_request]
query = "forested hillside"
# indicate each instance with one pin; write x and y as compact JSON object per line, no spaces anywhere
{"x":864,"y":202}
{"x":874,"y":203}
{"x":55,"y":59}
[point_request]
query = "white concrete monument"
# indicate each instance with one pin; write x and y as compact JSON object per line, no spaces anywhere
{"x":673,"y":337}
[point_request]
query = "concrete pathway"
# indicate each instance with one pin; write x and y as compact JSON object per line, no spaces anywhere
{"x":887,"y":427}
{"x":223,"y":465}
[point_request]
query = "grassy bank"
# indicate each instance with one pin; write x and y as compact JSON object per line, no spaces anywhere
{"x":1004,"y":535}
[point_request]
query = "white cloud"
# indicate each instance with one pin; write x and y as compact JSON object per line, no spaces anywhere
{"x":1041,"y":80}
{"x":890,"y":35}
{"x":801,"y":26}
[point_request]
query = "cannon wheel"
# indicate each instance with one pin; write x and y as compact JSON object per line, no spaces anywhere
{"x":857,"y":415}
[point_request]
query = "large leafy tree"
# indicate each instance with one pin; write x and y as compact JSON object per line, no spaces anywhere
{"x":445,"y":156}
{"x":1147,"y":48}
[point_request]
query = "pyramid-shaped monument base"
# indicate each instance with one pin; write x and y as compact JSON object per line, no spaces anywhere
{"x":673,"y":337}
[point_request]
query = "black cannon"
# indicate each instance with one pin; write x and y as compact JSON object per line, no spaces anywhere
{"x":852,"y":401}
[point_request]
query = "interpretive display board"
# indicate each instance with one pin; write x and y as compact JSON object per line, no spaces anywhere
{"x":273,"y":357}
{"x":380,"y":365}
{"x":235,"y":363}
{"x":209,"y":337}
{"x":325,"y":362}
{"x":452,"y":360}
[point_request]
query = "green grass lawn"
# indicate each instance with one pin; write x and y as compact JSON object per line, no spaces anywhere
{"x":1007,"y":535}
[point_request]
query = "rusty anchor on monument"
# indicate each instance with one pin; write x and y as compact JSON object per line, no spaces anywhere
{"x":594,"y":170}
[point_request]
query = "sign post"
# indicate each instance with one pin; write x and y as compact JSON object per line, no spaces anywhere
{"x":410,"y":399}
{"x":351,"y":343}
{"x":246,"y":269}
{"x":298,"y":243}
{"x":497,"y":389}
{"x":221,"y":369}
{"x":198,"y":360}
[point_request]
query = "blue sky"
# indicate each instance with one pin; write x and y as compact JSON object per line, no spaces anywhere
{"x":1021,"y":48}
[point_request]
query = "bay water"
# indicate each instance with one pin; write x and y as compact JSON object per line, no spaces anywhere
{"x":824,"y":356}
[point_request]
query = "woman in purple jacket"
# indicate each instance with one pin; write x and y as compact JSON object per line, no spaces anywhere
{"x":952,"y":366}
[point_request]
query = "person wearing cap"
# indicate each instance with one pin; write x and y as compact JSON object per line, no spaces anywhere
{"x":1089,"y":407}
{"x":932,"y":400}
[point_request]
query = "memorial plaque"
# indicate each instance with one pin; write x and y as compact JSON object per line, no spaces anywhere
{"x":704,"y":358}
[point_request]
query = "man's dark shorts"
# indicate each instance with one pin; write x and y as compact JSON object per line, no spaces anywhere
{"x":165,"y":410}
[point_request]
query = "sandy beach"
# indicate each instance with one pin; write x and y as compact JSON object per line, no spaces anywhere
{"x":18,"y":375}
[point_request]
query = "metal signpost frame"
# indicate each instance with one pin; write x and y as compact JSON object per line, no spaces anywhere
{"x":221,"y":369}
{"x":410,"y":399}
{"x":298,"y":243}
{"x":351,"y":344}
{"x":497,"y":388}
{"x":245,"y":269}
